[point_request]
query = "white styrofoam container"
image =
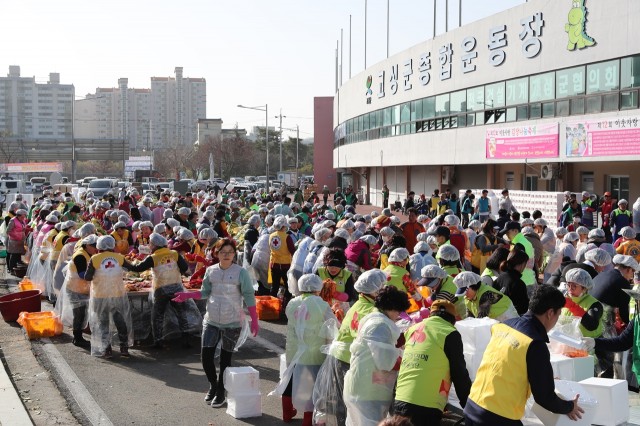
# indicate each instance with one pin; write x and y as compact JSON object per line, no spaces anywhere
{"x":245,"y":405}
{"x":475,"y":333}
{"x":572,"y":369}
{"x":613,"y":400}
{"x":568,"y":391}
{"x":241,"y":380}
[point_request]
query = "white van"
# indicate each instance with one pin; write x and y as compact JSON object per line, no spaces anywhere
{"x":12,"y":187}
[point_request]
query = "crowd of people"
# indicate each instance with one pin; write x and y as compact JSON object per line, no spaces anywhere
{"x":370,"y":301}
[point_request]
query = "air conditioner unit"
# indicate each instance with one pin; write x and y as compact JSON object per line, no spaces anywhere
{"x":547,"y":172}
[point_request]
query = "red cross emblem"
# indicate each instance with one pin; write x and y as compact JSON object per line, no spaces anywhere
{"x":109,"y":264}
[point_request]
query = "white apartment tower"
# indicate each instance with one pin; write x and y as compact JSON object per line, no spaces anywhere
{"x":35,"y":110}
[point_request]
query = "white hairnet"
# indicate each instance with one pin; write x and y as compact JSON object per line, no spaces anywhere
{"x":582,"y":230}
{"x":433,"y":271}
{"x":395,"y":219}
{"x":157,"y":240}
{"x":310,"y":282}
{"x":527,"y":222}
{"x":280,"y":222}
{"x":106,"y":242}
{"x":342,"y":233}
{"x":167,"y":214}
{"x":369,"y":239}
{"x":171,"y":223}
{"x":540,"y":222}
{"x":399,"y":254}
{"x":527,"y":230}
{"x":330,"y":216}
{"x":119,"y":225}
{"x":67,"y":225}
{"x":160,"y":228}
{"x":431,"y":240}
{"x":387,"y":232}
{"x":596,"y":233}
{"x":598,"y":257}
{"x":207,"y":234}
{"x":421,"y":246}
{"x":452,"y":220}
{"x":328,"y":223}
{"x":85,"y":230}
{"x":176,"y":230}
{"x":51,"y":218}
{"x":123,"y":218}
{"x":370,"y":282}
{"x":322,"y":233}
{"x":184,"y":210}
{"x":90,"y":240}
{"x":624,"y":260}
{"x":580,"y":277}
{"x":561,"y":232}
{"x":623,"y":201}
{"x":571,"y":236}
{"x":148,"y":224}
{"x":448,"y":252}
{"x":475,"y":225}
{"x":254,"y":220}
{"x":348,"y":224}
{"x":136,"y":225}
{"x":268,"y":220}
{"x":291,"y":220}
{"x":423,"y":236}
{"x":185,"y":234}
{"x":465,"y":279}
{"x":57,"y":226}
{"x":628,"y":233}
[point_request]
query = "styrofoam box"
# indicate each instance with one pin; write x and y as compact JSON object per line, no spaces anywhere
{"x":568,"y":391}
{"x":241,"y":380}
{"x":245,"y":405}
{"x":573,"y":369}
{"x":613,"y":400}
{"x":475,"y":333}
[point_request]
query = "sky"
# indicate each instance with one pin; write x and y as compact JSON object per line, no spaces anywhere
{"x":251,"y":52}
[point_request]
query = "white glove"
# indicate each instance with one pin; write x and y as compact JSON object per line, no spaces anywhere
{"x":589,"y":343}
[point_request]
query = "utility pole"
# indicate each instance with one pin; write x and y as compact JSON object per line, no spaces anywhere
{"x":280,"y":137}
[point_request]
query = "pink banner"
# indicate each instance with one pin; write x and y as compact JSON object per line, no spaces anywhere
{"x":606,"y":137}
{"x":537,"y":141}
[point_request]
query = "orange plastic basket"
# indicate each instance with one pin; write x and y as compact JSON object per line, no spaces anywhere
{"x":26,"y":284}
{"x":268,"y":307}
{"x":40,"y":324}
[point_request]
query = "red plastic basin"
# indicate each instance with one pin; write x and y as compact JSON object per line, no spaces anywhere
{"x":23,"y":301}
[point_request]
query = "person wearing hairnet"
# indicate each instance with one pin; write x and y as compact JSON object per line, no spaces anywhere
{"x":483,"y":300}
{"x":627,"y":243}
{"x":610,"y":289}
{"x":67,"y":229}
{"x":359,"y":254}
{"x":387,"y":238}
{"x":595,"y":261}
{"x":108,"y":301}
{"x":442,"y":288}
{"x":327,"y":395}
{"x":167,"y":268}
{"x":421,"y":257}
{"x":123,"y":238}
{"x":399,"y":277}
{"x":448,"y":258}
{"x":141,"y":244}
{"x":306,"y":333}
{"x":433,"y":358}
{"x":581,"y":304}
{"x":375,"y":360}
{"x":76,"y":290}
{"x":334,"y":269}
{"x":620,"y":218}
{"x":281,"y":247}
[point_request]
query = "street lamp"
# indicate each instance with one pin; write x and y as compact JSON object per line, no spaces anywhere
{"x":266,"y":127}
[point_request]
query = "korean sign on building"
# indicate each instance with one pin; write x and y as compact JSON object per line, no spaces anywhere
{"x":535,"y":141}
{"x":604,"y":137}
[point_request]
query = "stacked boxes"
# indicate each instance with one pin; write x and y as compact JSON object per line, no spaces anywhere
{"x":243,"y":392}
{"x":568,"y":391}
{"x":573,"y":369}
{"x":476,"y":333}
{"x":613,"y":400}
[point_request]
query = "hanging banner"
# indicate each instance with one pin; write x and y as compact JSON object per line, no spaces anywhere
{"x":605,"y":137}
{"x":535,"y":141}
{"x":30,"y":167}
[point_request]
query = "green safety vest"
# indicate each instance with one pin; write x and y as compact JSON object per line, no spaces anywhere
{"x":425,"y":376}
{"x":448,"y":286}
{"x":340,"y":279}
{"x":528,"y":276}
{"x":585,"y":302}
{"x":349,"y":328}
{"x":395,"y":274}
{"x":497,"y":309}
{"x":452,"y":271}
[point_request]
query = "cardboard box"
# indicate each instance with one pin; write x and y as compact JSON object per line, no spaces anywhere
{"x":613,"y":400}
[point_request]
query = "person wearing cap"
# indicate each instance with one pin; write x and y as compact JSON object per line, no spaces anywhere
{"x":226,"y":286}
{"x":516,"y":363}
{"x":307,"y":315}
{"x":433,"y":359}
{"x":627,"y":244}
{"x":16,"y":238}
{"x":441,"y":286}
{"x":108,"y":301}
{"x":606,"y":208}
{"x":334,"y":269}
{"x":375,"y":360}
{"x":581,"y":304}
{"x":76,"y":290}
{"x":281,"y":248}
{"x":483,"y":300}
{"x":123,"y":238}
{"x":328,"y":392}
{"x":167,"y":268}
{"x":586,"y":204}
{"x":609,"y":288}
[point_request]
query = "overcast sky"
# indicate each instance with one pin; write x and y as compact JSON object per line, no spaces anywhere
{"x":251,"y":52}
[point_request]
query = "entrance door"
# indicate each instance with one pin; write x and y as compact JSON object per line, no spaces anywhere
{"x":587,"y":182}
{"x":619,"y":187}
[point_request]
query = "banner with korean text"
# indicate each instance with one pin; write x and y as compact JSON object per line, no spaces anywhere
{"x":604,"y":137}
{"x":535,"y":141}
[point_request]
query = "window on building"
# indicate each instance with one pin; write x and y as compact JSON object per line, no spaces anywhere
{"x":603,"y":77}
{"x":458,"y":102}
{"x":442,"y":105}
{"x":405,"y":112}
{"x":522,"y":112}
{"x":548,"y":109}
{"x":494,"y":95}
{"x":395,"y":114}
{"x":386,"y":117}
{"x":475,"y":99}
{"x":511,"y":114}
{"x":594,"y":104}
{"x":562,"y":108}
{"x":577,"y":106}
{"x":629,"y":100}
{"x":630,"y":72}
{"x":542,"y":87}
{"x":619,"y":187}
{"x":517,"y":91}
{"x":535,"y":110}
{"x":416,"y":110}
{"x":570,"y":82}
{"x":429,"y":107}
{"x":610,"y":102}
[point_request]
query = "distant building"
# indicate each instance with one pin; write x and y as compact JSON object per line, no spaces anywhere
{"x":212,"y":127}
{"x":35,"y":110}
{"x":255,"y":132}
{"x":164,"y":115}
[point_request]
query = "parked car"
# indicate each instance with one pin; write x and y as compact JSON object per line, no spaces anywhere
{"x":166,"y":186}
{"x":99,"y":187}
{"x":37,"y":182}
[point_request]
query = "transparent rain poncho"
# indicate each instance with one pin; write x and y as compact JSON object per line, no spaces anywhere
{"x":260,"y":260}
{"x":74,"y":294}
{"x":310,"y":329}
{"x":310,"y":261}
{"x":369,"y":383}
{"x":417,"y":261}
{"x":297,"y":265}
{"x":109,"y":307}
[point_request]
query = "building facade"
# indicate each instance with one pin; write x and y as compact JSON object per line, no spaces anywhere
{"x":164,"y":115}
{"x":542,"y":96}
{"x":29,"y":109}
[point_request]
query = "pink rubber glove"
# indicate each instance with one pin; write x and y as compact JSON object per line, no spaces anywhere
{"x":405,"y":316}
{"x":183,"y":296}
{"x":425,"y":313}
{"x":342,"y":297}
{"x":255,"y":325}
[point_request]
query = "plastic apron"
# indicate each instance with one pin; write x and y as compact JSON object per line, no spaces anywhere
{"x":369,"y":383}
{"x":225,"y":302}
{"x":310,"y":260}
{"x":75,"y":293}
{"x":41,"y":265}
{"x":297,"y":265}
{"x":313,"y":317}
{"x":418,"y":261}
{"x":106,"y":298}
{"x":260,"y":260}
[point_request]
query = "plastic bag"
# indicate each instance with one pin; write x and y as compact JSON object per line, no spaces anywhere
{"x":569,"y":326}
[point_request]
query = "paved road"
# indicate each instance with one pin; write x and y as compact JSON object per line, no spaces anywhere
{"x":153,"y":387}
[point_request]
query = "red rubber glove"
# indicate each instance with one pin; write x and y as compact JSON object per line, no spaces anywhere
{"x":255,"y":325}
{"x":190,"y":257}
{"x":204,"y":260}
{"x":338,"y":295}
{"x":574,"y":308}
{"x":620,"y":326}
{"x":199,"y":273}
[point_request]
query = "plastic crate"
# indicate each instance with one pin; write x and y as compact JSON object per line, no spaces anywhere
{"x":268,"y":307}
{"x":26,"y":284}
{"x":40,"y":324}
